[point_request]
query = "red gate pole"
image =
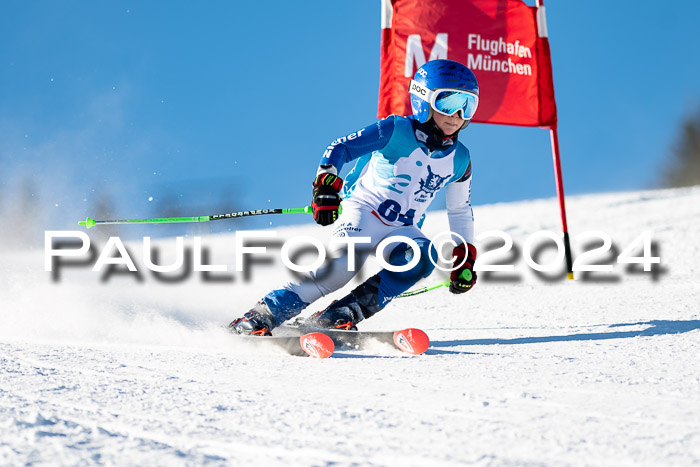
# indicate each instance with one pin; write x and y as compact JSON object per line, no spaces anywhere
{"x":560,"y":195}
{"x":554,"y":136}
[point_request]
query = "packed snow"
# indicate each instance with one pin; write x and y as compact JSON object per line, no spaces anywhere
{"x":526,"y":369}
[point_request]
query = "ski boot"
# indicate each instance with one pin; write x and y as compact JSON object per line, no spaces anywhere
{"x":345,"y":313}
{"x":338,"y":315}
{"x":257,"y":322}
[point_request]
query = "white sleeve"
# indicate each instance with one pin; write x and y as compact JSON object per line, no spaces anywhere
{"x":459,"y":209}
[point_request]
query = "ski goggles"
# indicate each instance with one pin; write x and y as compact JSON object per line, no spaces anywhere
{"x":447,"y":101}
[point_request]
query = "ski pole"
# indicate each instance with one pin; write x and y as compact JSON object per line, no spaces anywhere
{"x":466,"y":275}
{"x":88,"y":223}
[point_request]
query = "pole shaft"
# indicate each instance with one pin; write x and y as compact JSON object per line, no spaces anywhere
{"x":161,"y":220}
{"x":173,"y":220}
{"x":424,"y":289}
{"x":560,"y":195}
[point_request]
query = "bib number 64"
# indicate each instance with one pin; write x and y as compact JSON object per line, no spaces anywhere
{"x":391,"y":211}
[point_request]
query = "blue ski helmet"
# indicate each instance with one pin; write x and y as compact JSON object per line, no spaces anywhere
{"x":441,"y":74}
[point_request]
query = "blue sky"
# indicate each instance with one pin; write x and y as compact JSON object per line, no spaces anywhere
{"x":210,"y":105}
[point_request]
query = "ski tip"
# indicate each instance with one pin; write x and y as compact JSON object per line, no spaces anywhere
{"x":317,"y":345}
{"x":411,"y":340}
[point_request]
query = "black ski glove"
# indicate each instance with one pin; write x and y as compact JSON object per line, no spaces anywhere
{"x":326,"y":201}
{"x":463,"y":278}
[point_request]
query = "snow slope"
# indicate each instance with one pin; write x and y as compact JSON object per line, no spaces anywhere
{"x":523,"y":370}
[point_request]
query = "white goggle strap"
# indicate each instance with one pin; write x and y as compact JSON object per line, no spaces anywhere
{"x":421,"y":91}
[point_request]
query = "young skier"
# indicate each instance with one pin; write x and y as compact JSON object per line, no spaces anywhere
{"x":402,"y":163}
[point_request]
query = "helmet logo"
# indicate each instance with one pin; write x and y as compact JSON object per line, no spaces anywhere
{"x":417,"y":89}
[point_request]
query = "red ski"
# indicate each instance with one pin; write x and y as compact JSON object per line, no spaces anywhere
{"x":313,"y":344}
{"x":411,"y":340}
{"x":317,"y":345}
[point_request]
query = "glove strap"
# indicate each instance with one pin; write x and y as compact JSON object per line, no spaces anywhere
{"x":328,"y":179}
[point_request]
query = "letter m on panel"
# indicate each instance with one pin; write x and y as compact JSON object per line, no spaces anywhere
{"x":415,"y":54}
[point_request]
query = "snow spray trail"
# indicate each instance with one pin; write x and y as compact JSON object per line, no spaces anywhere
{"x":33,"y":310}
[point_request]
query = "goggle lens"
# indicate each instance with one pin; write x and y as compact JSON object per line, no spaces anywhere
{"x":447,"y":102}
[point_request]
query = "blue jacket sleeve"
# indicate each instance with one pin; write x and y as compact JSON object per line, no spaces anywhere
{"x":355,"y":145}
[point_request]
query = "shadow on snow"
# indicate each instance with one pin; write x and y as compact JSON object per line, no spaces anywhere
{"x":656,"y":328}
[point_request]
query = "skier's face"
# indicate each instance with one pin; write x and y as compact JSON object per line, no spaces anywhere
{"x":448,"y":125}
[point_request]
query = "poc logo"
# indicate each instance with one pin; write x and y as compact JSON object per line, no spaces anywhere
{"x":422,"y":72}
{"x":417,"y":89}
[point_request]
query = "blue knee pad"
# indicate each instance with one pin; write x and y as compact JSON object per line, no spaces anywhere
{"x":392,"y":283}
